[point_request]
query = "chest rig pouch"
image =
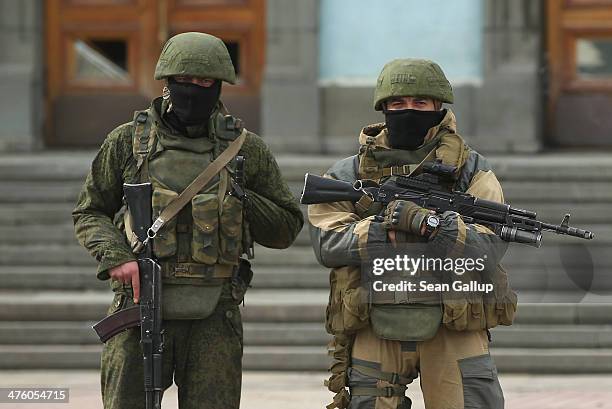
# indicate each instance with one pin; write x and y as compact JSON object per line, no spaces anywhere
{"x":199,"y":247}
{"x":403,"y":316}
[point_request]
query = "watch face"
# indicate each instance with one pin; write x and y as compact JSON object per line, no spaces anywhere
{"x":433,"y":221}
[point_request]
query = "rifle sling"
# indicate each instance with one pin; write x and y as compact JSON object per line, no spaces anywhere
{"x":198,"y":183}
{"x":117,"y":322}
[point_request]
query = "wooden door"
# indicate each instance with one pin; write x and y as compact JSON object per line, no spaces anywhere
{"x":579,"y":43}
{"x":99,"y":60}
{"x":241,"y":25}
{"x":101,"y":56}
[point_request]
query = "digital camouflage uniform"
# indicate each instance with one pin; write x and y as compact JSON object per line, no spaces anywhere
{"x":198,"y":250}
{"x":453,"y":361}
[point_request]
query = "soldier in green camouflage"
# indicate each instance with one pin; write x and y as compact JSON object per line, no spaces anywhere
{"x":169,"y":145}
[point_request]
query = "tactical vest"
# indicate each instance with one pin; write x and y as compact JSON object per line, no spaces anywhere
{"x":198,"y":249}
{"x":352,"y":308}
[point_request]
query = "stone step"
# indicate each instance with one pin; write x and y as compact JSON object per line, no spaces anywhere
{"x":588,"y":255}
{"x":43,"y":277}
{"x":584,"y":213}
{"x":46,"y":165}
{"x":529,"y":168}
{"x":74,"y":255}
{"x":73,"y":165}
{"x":83,"y":278}
{"x":535,"y":192}
{"x":277,"y":306}
{"x":313,"y":334}
{"x":39,"y":191}
{"x":35,"y":214}
{"x":557,"y":361}
{"x":63,"y":233}
{"x":508,"y":360}
{"x":88,"y":357}
{"x":261,"y":305}
{"x":553,"y":336}
{"x":80,"y":333}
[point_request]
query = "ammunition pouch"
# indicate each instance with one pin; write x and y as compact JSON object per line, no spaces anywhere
{"x":406,"y":322}
{"x":231,"y":230}
{"x":348,"y":307}
{"x":481,"y":311}
{"x":205,"y":239}
{"x":188,"y":301}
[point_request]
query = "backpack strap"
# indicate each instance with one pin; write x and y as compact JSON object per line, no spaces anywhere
{"x":142,"y":142}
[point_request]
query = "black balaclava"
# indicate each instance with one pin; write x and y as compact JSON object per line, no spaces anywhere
{"x":193,"y":104}
{"x":407,"y":128}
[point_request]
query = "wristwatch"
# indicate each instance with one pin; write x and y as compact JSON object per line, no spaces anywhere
{"x":431,"y":224}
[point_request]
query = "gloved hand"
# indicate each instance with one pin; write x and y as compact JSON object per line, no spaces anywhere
{"x":405,"y":216}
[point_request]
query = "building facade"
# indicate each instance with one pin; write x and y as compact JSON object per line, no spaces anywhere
{"x":529,"y":75}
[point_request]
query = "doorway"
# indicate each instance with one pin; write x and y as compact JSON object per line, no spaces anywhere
{"x":101,"y":55}
{"x":579,"y":43}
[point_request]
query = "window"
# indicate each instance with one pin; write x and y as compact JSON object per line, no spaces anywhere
{"x":594,"y":58}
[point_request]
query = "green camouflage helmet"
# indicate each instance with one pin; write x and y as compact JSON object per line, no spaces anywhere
{"x":195,"y":54}
{"x":412,"y":78}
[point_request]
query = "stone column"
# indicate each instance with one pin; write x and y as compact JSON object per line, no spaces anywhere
{"x":509,"y":107}
{"x":290,"y":95}
{"x":21,"y":68}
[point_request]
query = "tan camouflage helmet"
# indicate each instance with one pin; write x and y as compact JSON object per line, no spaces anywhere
{"x":195,"y":54}
{"x":412,"y":78}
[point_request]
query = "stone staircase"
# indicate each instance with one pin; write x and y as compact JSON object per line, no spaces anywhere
{"x":49,"y":296}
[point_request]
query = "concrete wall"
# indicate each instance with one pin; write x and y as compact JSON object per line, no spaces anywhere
{"x":509,"y":105}
{"x":21,"y":67}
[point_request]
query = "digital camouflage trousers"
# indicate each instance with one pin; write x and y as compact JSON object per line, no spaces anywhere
{"x":202,"y":357}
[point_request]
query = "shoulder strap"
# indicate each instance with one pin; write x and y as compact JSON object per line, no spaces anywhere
{"x":451,"y":150}
{"x":142,"y":143}
{"x":198,"y":183}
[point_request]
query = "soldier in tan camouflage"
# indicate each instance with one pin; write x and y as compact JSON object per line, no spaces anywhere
{"x":169,"y":145}
{"x":381,"y":344}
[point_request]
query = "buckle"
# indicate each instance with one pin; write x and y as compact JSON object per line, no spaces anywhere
{"x":395,"y":378}
{"x":389,"y":391}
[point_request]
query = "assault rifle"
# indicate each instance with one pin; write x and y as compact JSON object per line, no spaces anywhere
{"x":426,"y":190}
{"x":147,"y":313}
